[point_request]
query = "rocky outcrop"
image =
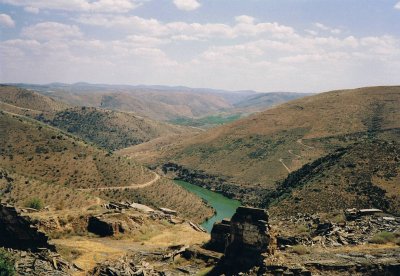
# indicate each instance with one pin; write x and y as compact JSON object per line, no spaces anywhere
{"x":221,"y":184}
{"x":219,"y":235}
{"x":249,"y":236}
{"x":42,"y":263}
{"x":248,"y":241}
{"x":17,"y":231}
{"x":111,"y":224}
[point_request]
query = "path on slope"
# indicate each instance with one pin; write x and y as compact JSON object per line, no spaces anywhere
{"x":132,"y":186}
{"x":299,"y":141}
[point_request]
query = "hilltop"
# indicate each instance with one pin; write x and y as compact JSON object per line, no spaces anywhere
{"x":250,"y":155}
{"x":56,"y":160}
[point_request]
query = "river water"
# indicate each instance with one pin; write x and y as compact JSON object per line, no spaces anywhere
{"x":225,"y":207}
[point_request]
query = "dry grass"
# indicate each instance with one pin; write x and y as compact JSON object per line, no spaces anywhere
{"x":163,"y":193}
{"x":33,"y":149}
{"x":248,"y":150}
{"x":28,"y":99}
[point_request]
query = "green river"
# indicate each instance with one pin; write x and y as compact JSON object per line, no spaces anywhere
{"x":224,"y":207}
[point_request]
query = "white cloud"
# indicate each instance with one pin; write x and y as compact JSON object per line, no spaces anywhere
{"x":187,"y":5}
{"x":6,"y":21}
{"x":51,"y":31}
{"x":245,"y":54}
{"x":33,"y":10}
{"x":244,"y":19}
{"x":327,"y":28}
{"x":397,"y":6}
{"x":245,"y":26}
{"x":104,"y":6}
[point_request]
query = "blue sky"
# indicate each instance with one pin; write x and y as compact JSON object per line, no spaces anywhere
{"x":264,"y":45}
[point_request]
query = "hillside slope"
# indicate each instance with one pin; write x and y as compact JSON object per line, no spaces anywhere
{"x":262,"y":101}
{"x":152,"y":104}
{"x":259,"y":150}
{"x":363,"y":175}
{"x":54,"y":159}
{"x":30,"y":100}
{"x":109,"y":129}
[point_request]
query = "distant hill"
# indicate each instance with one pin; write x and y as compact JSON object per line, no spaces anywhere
{"x":253,"y":153}
{"x":53,"y":161}
{"x":262,"y":101}
{"x":29,"y":99}
{"x":109,"y":129}
{"x":163,"y":102}
{"x":363,"y":175}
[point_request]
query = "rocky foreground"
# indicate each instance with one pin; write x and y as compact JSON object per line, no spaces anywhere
{"x":357,"y":242}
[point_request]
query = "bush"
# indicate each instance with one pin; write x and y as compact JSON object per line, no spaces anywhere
{"x":300,"y":249}
{"x":383,"y":237}
{"x":6,"y":264}
{"x":35,"y":203}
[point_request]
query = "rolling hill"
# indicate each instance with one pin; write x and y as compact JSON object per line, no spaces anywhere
{"x":250,"y":155}
{"x":363,"y":175}
{"x":109,"y":129}
{"x":29,"y":100}
{"x":162,"y":102}
{"x":54,"y":161}
{"x":105,"y":128}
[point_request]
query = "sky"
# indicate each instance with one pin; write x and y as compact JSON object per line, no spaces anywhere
{"x":263,"y":45}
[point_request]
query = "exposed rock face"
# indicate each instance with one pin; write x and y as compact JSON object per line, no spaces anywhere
{"x":249,"y":235}
{"x":221,"y":184}
{"x":219,"y":235}
{"x":249,"y":238}
{"x":17,"y":231}
{"x":112,"y":224}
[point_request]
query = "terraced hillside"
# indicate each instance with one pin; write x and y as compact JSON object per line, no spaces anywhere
{"x":252,"y":154}
{"x":363,"y":175}
{"x":57,"y":161}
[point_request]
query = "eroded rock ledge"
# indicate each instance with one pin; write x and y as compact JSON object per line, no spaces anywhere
{"x":251,"y":196}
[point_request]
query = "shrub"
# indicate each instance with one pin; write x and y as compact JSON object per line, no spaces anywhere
{"x":35,"y":203}
{"x":383,"y":237}
{"x":300,"y":249}
{"x":6,"y":264}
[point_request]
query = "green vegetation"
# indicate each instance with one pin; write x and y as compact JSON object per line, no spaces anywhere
{"x":385,"y":237}
{"x":108,"y":129}
{"x":6,"y":264}
{"x":35,"y":203}
{"x":300,"y":249}
{"x":208,"y":121}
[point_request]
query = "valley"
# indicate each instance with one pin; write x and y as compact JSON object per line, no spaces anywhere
{"x":116,"y":187}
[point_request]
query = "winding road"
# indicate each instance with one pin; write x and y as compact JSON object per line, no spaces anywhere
{"x":132,"y":186}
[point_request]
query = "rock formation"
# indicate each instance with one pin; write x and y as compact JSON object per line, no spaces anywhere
{"x":247,"y":242}
{"x":16,"y":231}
